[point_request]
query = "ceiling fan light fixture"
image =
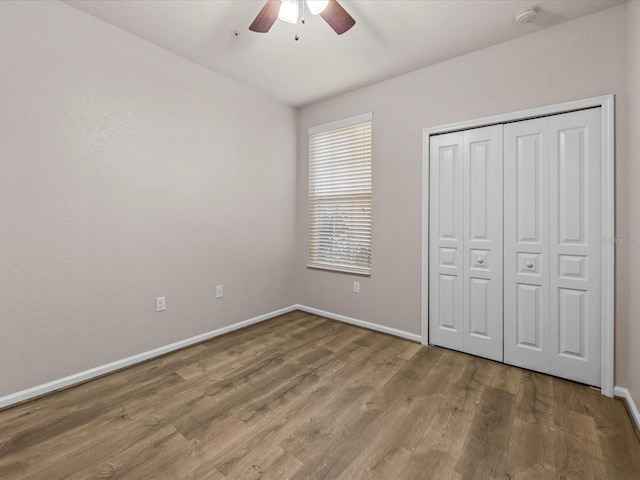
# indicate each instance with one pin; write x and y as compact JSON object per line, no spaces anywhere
{"x":316,"y":7}
{"x":288,"y":11}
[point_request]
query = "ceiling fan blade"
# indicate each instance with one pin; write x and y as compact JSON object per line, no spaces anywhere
{"x":267,"y":17}
{"x":337,"y":17}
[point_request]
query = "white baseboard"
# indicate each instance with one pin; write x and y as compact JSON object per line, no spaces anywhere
{"x":76,"y":378}
{"x":92,"y":373}
{"x":626,"y":394}
{"x":361,"y":323}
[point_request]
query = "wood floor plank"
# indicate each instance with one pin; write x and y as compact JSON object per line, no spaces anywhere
{"x":346,"y":336}
{"x":393,"y":435}
{"x":37,"y":440}
{"x":320,"y":385}
{"x":256,"y":463}
{"x":304,"y":397}
{"x":407,"y":403}
{"x":617,"y":437}
{"x":411,"y":349}
{"x":287,"y":388}
{"x":508,"y":378}
{"x":316,"y":422}
{"x":476,"y":375}
{"x":531,"y":454}
{"x":205,"y":471}
{"x":578,"y":454}
{"x":156,"y":455}
{"x":440,"y":447}
{"x":284,"y":468}
{"x":422,"y":362}
{"x":318,"y":430}
{"x":301,"y":412}
{"x":108,"y":435}
{"x":571,"y":396}
{"x":484,"y":455}
{"x":535,"y":398}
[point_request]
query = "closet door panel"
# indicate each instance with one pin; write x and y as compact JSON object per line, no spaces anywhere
{"x":526,"y":244}
{"x":576,"y":246}
{"x":446,"y":272}
{"x":529,"y":316}
{"x":482,"y":211}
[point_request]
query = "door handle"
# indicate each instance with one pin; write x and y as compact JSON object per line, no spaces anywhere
{"x":529,"y":264}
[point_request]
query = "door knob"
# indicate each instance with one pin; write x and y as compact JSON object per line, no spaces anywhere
{"x":480,"y":260}
{"x":529,"y":264}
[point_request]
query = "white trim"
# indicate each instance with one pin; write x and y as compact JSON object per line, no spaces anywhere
{"x":524,"y":114}
{"x":606,"y":103}
{"x":361,"y":323}
{"x":346,"y":122}
{"x":76,"y":378}
{"x":353,"y":271}
{"x":626,"y":394}
{"x":424,"y":300}
{"x":608,"y":248}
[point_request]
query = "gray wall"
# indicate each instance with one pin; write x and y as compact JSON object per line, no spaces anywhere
{"x":127,"y":173}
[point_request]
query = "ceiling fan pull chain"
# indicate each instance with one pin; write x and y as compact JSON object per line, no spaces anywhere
{"x":296,"y":38}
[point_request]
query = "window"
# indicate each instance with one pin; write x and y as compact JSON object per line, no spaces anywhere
{"x":340,"y":195}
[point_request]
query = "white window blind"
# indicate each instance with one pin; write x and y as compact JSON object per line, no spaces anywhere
{"x":340,"y":195}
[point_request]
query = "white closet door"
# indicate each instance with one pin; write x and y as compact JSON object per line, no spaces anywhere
{"x":482,"y":211}
{"x":446,"y":271}
{"x":465,"y":229}
{"x":576,"y":245}
{"x":552,"y":245}
{"x":526,"y":244}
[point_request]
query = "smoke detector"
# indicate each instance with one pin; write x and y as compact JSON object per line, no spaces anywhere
{"x":526,"y":15}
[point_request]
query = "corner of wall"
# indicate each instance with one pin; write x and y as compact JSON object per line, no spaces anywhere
{"x":630,"y":375}
{"x":625,"y":394}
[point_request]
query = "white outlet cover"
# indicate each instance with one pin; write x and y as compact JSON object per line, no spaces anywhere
{"x":160,"y":304}
{"x":219,"y":291}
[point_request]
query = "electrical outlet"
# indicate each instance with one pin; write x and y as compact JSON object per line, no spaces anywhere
{"x":356,"y":287}
{"x":219,"y":291}
{"x":160,"y":304}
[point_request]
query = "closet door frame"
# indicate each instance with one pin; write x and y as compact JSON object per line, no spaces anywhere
{"x":606,"y":103}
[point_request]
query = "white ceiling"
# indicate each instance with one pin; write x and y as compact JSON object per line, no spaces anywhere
{"x":391,"y":37}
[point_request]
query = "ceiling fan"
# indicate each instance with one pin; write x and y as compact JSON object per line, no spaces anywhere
{"x":287,"y":10}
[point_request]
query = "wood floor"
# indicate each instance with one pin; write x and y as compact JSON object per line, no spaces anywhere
{"x":302,"y":397}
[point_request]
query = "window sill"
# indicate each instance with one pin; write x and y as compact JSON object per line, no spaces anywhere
{"x":354,"y":271}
